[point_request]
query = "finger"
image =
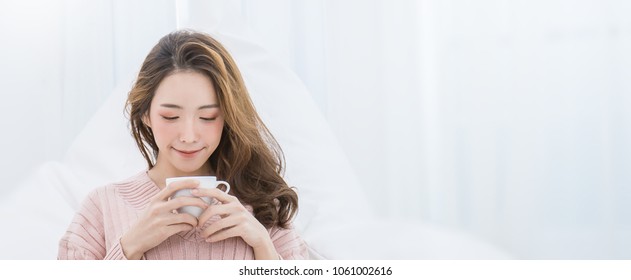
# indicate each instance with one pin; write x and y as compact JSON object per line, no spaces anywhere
{"x":225,"y":234}
{"x":169,"y":190}
{"x":222,"y":210}
{"x":181,"y":218}
{"x":176,"y":228}
{"x":215,"y":193}
{"x":178,"y":202}
{"x":221,"y":224}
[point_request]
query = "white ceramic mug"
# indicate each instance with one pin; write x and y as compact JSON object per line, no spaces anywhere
{"x":204,"y":182}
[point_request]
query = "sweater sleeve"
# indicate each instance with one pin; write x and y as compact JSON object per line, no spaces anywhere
{"x":289,"y":244}
{"x":85,"y":239}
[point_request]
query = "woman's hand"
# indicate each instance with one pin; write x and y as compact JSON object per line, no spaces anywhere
{"x":235,"y":220}
{"x":159,"y":221}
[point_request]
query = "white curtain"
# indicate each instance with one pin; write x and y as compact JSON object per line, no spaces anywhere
{"x":505,"y":119}
{"x":60,"y":60}
{"x":502,"y":118}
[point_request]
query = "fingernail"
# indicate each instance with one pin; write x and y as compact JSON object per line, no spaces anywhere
{"x":194,"y":191}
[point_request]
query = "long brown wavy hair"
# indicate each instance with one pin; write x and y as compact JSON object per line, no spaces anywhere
{"x":248,"y":156}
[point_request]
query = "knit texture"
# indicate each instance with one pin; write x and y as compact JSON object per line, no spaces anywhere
{"x":108,"y":212}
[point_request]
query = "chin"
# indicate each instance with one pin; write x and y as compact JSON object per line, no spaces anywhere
{"x":188,"y":168}
{"x":194,"y":171}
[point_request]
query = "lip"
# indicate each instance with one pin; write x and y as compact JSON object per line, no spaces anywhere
{"x":187,"y":153}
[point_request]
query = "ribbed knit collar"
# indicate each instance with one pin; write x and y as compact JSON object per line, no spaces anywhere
{"x":138,"y":190}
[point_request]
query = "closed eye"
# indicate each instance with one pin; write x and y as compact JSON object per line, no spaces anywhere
{"x":208,"y":119}
{"x":170,"y":118}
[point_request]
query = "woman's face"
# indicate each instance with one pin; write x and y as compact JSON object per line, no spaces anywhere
{"x":186,"y":123}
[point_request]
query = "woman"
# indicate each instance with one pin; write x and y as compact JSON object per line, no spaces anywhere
{"x":191,"y":115}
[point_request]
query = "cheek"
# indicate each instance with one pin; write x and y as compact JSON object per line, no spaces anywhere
{"x":214,"y":134}
{"x":163,"y":133}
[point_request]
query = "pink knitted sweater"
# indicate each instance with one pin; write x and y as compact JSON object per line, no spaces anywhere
{"x":108,"y":212}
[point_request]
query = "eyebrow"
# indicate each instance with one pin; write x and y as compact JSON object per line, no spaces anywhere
{"x":167,"y":105}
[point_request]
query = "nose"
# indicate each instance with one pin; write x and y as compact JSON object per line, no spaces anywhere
{"x":188,"y":133}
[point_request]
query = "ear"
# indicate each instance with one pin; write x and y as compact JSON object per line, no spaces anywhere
{"x":146,"y":121}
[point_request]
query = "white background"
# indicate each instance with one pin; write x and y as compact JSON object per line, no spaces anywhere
{"x":505,"y":119}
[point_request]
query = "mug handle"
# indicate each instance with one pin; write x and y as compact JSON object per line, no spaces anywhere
{"x":223,"y":183}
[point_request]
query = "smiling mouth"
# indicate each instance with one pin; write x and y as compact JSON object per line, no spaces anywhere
{"x":188,"y":153}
